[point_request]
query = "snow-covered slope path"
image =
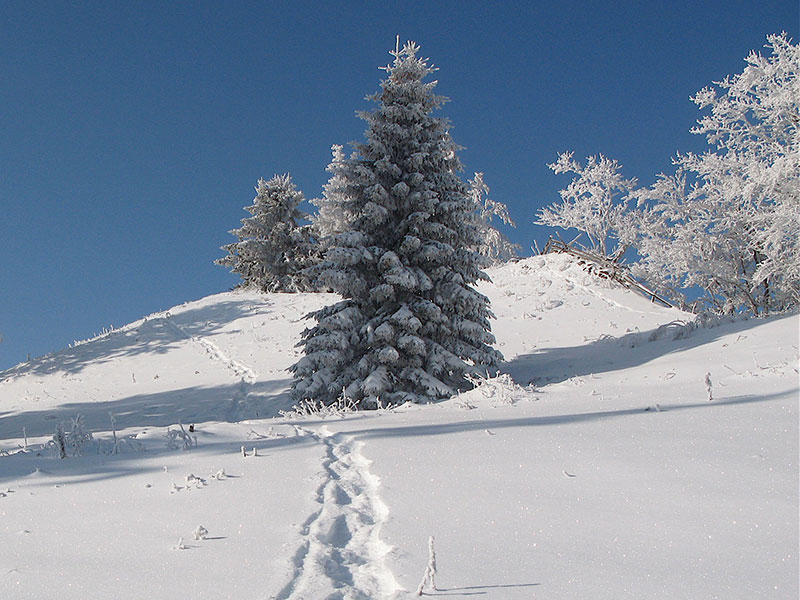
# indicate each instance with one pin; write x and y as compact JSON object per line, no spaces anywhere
{"x":622,"y":454}
{"x":342,"y":555}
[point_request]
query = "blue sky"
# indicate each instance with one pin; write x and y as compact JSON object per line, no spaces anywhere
{"x":133,"y":133}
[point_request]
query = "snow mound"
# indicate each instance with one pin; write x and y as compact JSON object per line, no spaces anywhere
{"x":622,"y":452}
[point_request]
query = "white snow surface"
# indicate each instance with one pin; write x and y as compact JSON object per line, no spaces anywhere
{"x":595,"y":466}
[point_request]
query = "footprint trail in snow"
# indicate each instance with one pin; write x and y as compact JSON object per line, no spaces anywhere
{"x":238,"y":369}
{"x":246,"y":374}
{"x":342,"y":556}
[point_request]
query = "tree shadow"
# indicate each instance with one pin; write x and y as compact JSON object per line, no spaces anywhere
{"x":607,"y":354}
{"x":43,"y":468}
{"x":155,"y":335}
{"x":565,"y":419}
{"x":160,"y":409}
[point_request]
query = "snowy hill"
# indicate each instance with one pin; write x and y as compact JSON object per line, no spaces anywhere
{"x":596,"y":466}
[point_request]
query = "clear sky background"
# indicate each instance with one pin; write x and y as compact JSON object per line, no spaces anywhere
{"x":132,"y":134}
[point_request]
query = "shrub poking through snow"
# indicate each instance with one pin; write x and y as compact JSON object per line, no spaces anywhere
{"x":72,"y":442}
{"x":200,"y":533}
{"x":179,"y":439}
{"x":59,"y":441}
{"x":313,"y":409}
{"x":709,"y":387}
{"x":500,"y":390}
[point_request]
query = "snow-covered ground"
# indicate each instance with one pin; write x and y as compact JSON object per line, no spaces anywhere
{"x":622,"y":454}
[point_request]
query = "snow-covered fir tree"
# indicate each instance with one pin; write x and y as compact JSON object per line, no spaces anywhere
{"x":273,"y":246}
{"x":330,"y":217}
{"x":411,"y":326}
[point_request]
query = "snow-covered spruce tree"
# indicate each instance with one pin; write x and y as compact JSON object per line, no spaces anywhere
{"x":411,"y":326}
{"x":494,"y":246}
{"x":594,"y":203}
{"x":273,"y":247}
{"x":330,"y":217}
{"x":728,"y":221}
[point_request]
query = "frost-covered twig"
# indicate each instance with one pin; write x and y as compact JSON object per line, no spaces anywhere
{"x":180,"y":545}
{"x":61,"y":444}
{"x":115,"y":447}
{"x":430,"y":571}
{"x":709,"y":387}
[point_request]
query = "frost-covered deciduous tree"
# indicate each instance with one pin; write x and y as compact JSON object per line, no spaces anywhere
{"x":728,"y":221}
{"x":273,"y":246}
{"x":493,"y":246}
{"x":594,"y":202}
{"x":682,"y":251}
{"x":411,"y":326}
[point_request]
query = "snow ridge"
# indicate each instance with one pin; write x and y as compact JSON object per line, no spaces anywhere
{"x":342,"y":555}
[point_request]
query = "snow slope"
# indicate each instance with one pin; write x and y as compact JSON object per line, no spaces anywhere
{"x":596,"y":466}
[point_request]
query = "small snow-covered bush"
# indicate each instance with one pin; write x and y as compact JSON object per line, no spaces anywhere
{"x":74,"y":441}
{"x":501,"y":389}
{"x":679,"y":329}
{"x":312,"y":408}
{"x":674,"y":330}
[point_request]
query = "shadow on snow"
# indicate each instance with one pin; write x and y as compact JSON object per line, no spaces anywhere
{"x":555,"y":365}
{"x":154,"y":335}
{"x":187,"y":405}
{"x":565,"y":419}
